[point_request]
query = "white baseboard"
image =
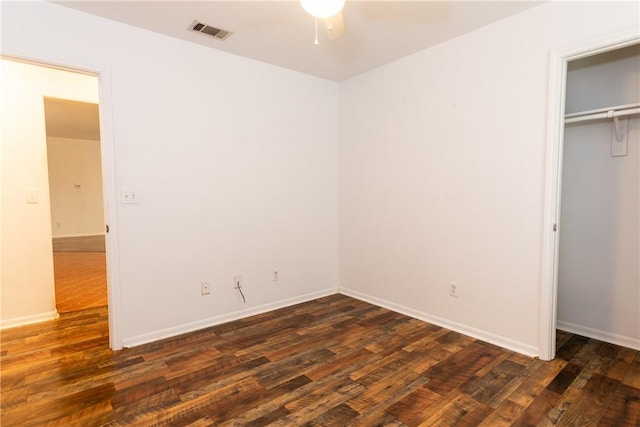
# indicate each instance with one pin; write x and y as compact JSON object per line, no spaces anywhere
{"x":620,"y":340}
{"x":224,"y":318}
{"x":28,"y":320}
{"x":62,"y":236}
{"x":498,"y":340}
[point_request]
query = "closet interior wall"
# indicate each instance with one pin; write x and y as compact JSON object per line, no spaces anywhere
{"x":599,"y":258}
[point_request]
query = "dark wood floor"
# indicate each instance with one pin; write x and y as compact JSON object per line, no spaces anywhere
{"x":335,"y":361}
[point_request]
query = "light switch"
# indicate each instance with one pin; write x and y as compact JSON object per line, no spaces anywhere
{"x":32,"y":196}
{"x":130,"y":197}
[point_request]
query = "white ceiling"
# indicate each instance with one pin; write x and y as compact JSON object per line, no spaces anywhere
{"x":71,"y":119}
{"x":282,"y":33}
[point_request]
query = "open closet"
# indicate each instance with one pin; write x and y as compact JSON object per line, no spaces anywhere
{"x":599,"y":246}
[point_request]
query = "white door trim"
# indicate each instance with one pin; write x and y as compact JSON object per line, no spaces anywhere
{"x":553,"y":176}
{"x":110,"y":207}
{"x":107,"y":148}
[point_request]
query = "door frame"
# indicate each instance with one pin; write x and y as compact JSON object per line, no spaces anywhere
{"x":109,"y":187}
{"x":558,"y":61}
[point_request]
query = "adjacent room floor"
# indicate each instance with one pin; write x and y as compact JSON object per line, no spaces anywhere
{"x":80,"y":280}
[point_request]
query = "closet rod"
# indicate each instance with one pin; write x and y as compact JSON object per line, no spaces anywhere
{"x":604,"y":113}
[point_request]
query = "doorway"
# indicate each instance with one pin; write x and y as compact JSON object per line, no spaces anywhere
{"x":77,"y":206}
{"x":27,"y":284}
{"x":554,"y":171}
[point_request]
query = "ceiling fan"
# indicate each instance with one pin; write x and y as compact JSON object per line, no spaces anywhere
{"x":331,"y":12}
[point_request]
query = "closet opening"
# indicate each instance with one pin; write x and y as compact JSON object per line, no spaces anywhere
{"x":598,"y":269}
{"x":591,"y":253}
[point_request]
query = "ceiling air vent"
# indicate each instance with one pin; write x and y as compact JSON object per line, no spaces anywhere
{"x":214,"y":32}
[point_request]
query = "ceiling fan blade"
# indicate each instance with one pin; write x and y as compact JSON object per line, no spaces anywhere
{"x":335,"y":26}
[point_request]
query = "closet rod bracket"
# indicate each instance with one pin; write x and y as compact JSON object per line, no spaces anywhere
{"x":619,"y":136}
{"x":616,"y":124}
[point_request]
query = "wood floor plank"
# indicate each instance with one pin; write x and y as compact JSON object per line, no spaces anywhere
{"x":571,"y":400}
{"x":382,"y":389}
{"x":142,"y":390}
{"x":425,"y":418}
{"x":267,"y":418}
{"x":218,"y":366}
{"x":151,"y":404}
{"x":621,"y":364}
{"x":46,"y":410}
{"x":291,"y":367}
{"x":333,"y":361}
{"x":378,"y":364}
{"x":411,"y":406}
{"x":383,"y":400}
{"x":505,"y":393}
{"x":86,"y":415}
{"x":275,"y":405}
{"x":623,"y":409}
{"x":190,"y":410}
{"x":339,"y":363}
{"x":242,"y":404}
{"x":591,"y":404}
{"x":316,"y":405}
{"x":632,"y":377}
{"x":197,"y":386}
{"x":536,"y":381}
{"x":505,"y":414}
{"x":487,"y":387}
{"x":565,"y":377}
{"x":460,"y":367}
{"x":430,"y":356}
{"x":340,"y":415}
{"x":461,"y":411}
{"x":536,"y":412}
{"x":571,"y":347}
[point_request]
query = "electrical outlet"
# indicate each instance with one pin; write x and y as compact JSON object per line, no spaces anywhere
{"x":453,"y":289}
{"x":276,"y":275}
{"x":205,"y":288}
{"x":237,"y":282}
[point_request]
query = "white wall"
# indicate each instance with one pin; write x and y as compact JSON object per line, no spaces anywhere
{"x":235,"y":163}
{"x":75,"y":183}
{"x":26,"y":283}
{"x":598,"y":275}
{"x":442,"y":164}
